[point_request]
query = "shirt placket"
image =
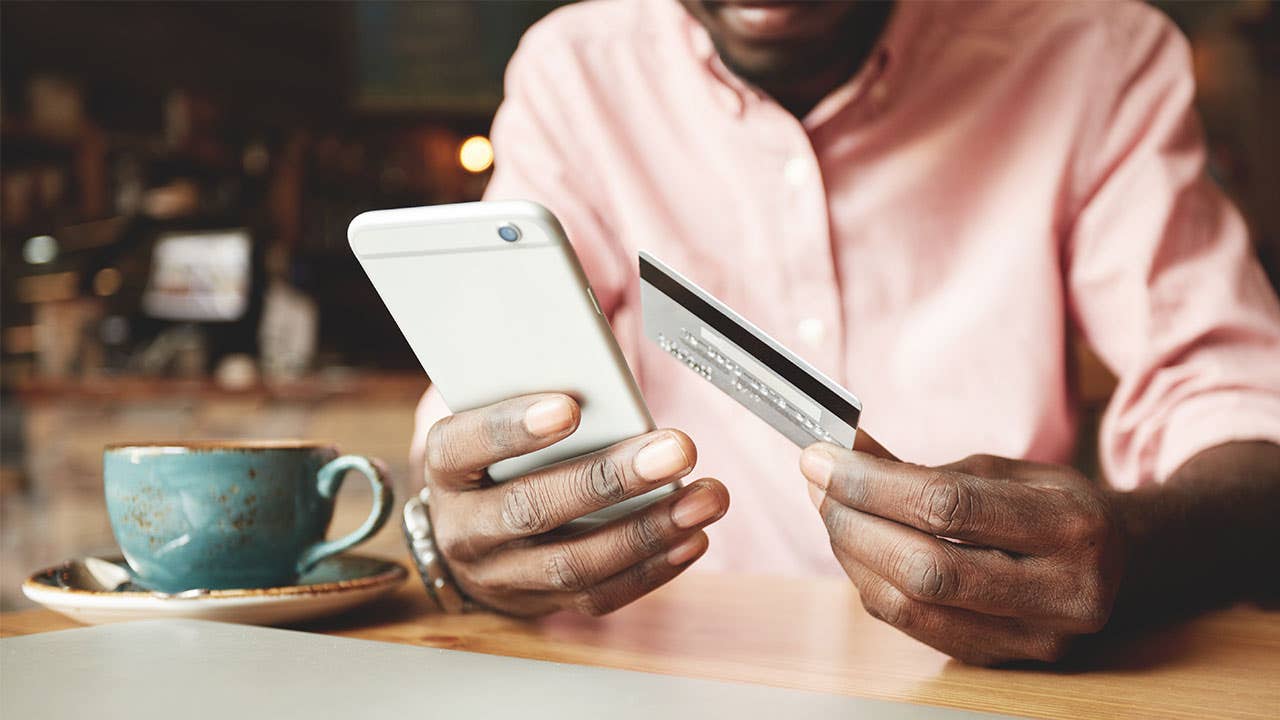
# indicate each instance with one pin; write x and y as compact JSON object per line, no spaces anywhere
{"x":813,"y":293}
{"x":814,"y":317}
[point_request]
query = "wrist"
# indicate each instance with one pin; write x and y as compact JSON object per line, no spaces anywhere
{"x":1194,"y":540}
{"x":1172,"y":551}
{"x":1130,"y":513}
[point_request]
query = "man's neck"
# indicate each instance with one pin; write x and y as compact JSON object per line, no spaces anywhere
{"x":864,"y":27}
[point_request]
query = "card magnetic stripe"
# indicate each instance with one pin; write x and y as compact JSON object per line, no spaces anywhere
{"x":751,"y":343}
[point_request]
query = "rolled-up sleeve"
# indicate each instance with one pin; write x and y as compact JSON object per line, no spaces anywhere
{"x":540,"y":155}
{"x":1162,"y":278}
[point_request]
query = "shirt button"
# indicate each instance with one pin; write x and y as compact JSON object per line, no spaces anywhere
{"x":812,"y":331}
{"x":795,"y":170}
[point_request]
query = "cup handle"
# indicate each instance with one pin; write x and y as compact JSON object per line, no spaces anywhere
{"x":328,"y":481}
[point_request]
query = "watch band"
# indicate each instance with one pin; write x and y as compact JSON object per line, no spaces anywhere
{"x":420,"y":537}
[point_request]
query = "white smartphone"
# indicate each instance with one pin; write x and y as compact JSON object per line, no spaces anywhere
{"x":494,"y":303}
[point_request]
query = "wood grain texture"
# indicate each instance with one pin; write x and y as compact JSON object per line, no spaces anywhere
{"x":814,"y":635}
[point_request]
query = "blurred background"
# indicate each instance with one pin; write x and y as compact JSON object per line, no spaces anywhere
{"x":175,"y":184}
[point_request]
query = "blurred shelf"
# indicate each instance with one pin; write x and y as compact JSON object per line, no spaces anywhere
{"x":19,"y":132}
{"x":321,"y":386}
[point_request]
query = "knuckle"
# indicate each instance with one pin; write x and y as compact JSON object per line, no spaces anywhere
{"x":1078,"y":528}
{"x":524,"y":509}
{"x":478,"y":582}
{"x":601,"y":479}
{"x":637,"y":579}
{"x":442,"y":455}
{"x":890,"y":606}
{"x":1092,"y":609}
{"x":452,"y":541}
{"x":947,"y":506}
{"x":925,"y":575}
{"x":643,"y":536}
{"x":633,"y":583}
{"x":457,"y":549}
{"x":501,"y":432}
{"x":852,"y":490}
{"x":449,"y":544}
{"x":641,"y":578}
{"x":564,"y":572}
{"x":851,"y":483}
{"x":646,"y":576}
{"x":1087,"y":528}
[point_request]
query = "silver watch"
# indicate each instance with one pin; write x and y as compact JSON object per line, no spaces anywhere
{"x":441,"y":588}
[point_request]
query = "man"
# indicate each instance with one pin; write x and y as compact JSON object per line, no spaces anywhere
{"x":923,"y":200}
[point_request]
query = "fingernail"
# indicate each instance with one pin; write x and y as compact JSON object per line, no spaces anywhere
{"x":661,"y":459}
{"x":817,"y":464}
{"x":548,"y":417}
{"x":695,"y":508}
{"x":688,"y":549}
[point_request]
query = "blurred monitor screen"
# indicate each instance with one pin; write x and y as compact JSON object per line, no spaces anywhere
{"x":437,"y":56}
{"x":200,"y":276}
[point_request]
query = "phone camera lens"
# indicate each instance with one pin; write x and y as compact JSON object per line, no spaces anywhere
{"x":509,"y":232}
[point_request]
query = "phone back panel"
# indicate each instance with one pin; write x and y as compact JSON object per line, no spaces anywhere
{"x":490,"y":319}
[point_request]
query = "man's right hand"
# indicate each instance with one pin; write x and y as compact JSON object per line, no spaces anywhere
{"x":494,"y":536}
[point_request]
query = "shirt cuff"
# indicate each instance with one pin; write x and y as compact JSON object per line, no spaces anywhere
{"x":1205,"y":421}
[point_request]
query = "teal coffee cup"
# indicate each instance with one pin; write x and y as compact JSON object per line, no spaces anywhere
{"x":234,"y":514}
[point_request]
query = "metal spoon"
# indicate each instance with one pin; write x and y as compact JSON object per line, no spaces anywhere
{"x":98,"y":575}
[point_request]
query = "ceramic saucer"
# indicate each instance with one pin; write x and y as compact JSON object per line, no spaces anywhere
{"x":336,"y":584}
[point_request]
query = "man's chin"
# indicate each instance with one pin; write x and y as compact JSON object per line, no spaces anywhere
{"x":767,"y":67}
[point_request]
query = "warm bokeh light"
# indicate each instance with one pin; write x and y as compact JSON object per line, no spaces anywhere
{"x":476,"y":154}
{"x":106,"y":282}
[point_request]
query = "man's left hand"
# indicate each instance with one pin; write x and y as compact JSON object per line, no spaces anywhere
{"x":988,"y":559}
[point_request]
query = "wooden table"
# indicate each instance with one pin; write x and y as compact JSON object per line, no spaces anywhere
{"x":814,"y":635}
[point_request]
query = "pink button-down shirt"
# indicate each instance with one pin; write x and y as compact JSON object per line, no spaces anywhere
{"x":928,"y":236}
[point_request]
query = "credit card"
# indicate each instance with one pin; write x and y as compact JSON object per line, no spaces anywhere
{"x":729,"y":352}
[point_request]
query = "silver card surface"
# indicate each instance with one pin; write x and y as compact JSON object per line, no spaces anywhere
{"x":729,"y":352}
